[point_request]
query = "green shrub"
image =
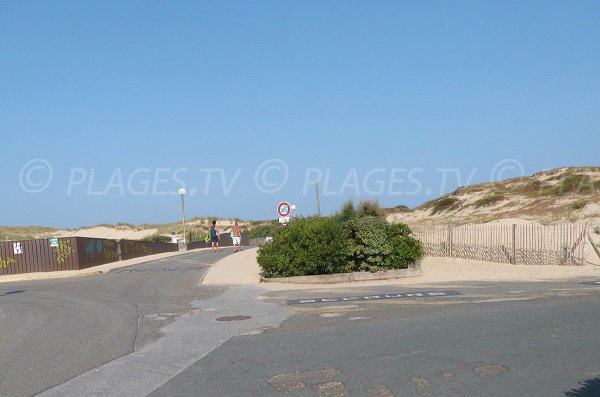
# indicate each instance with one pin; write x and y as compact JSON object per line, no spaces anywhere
{"x":364,"y":208}
{"x":157,"y":238}
{"x":444,"y":204}
{"x":578,"y":184}
{"x":347,"y":212}
{"x":578,"y":204}
{"x":348,"y":241}
{"x":307,"y":247}
{"x":262,"y":231}
{"x":405,"y":249}
{"x":489,"y":200}
{"x":196,"y":234}
{"x":370,"y":245}
{"x":379,"y":245}
{"x":487,"y":219}
{"x":398,"y":229}
{"x":370,"y":208}
{"x":125,"y":224}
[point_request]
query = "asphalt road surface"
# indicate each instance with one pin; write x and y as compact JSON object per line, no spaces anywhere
{"x":151,"y":330}
{"x":491,"y":340}
{"x":54,"y":330}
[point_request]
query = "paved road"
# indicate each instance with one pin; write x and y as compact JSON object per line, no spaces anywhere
{"x":151,"y":330}
{"x":54,"y":330}
{"x":492,"y":340}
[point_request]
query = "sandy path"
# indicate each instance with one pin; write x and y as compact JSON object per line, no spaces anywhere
{"x":242,"y":268}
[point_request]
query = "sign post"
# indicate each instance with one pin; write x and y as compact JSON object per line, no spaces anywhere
{"x":283,"y":210}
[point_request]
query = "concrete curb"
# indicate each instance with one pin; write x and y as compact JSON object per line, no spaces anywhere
{"x":92,"y":270}
{"x":412,"y":271}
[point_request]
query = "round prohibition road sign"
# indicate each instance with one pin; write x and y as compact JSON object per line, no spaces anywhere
{"x":283,"y":209}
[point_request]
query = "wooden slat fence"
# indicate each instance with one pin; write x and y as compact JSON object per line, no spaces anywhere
{"x":135,"y":249}
{"x":28,"y":256}
{"x":71,"y":253}
{"x":517,"y":244}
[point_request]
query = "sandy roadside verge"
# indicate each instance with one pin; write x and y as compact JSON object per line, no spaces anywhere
{"x":238,"y":268}
{"x":242,"y":268}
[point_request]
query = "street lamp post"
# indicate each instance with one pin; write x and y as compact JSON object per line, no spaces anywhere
{"x":182,"y":193}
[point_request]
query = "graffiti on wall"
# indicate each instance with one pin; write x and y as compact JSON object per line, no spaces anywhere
{"x":90,"y":248}
{"x":107,"y":249}
{"x":6,"y":262}
{"x":17,"y":248}
{"x":63,"y":251}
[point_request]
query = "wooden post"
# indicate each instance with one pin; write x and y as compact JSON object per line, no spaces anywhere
{"x":318,"y":200}
{"x":585,"y":232}
{"x":514,"y":244}
{"x":119,"y":252}
{"x":593,"y":245}
{"x":450,"y":241}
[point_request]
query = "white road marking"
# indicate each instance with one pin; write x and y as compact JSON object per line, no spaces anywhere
{"x":340,"y":307}
{"x":493,"y":300}
{"x":327,"y":315}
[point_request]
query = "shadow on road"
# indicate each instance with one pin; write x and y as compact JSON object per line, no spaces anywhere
{"x":12,"y":292}
{"x":588,"y":388}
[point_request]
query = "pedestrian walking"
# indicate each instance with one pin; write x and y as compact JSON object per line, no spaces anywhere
{"x":214,"y":236}
{"x":236,"y":235}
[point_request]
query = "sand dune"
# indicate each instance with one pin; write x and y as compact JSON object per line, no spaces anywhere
{"x":107,"y":232}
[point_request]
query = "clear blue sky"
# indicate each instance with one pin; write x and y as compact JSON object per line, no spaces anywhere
{"x":381,"y":96}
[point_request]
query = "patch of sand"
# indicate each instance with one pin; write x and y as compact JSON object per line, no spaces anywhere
{"x":590,"y":210}
{"x":242,"y":268}
{"x":106,"y":232}
{"x":512,"y":221}
{"x":239,"y":268}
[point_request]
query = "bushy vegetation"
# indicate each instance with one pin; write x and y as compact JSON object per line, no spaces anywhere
{"x":307,"y":247}
{"x":489,"y":200}
{"x":578,"y":204}
{"x":370,"y":246}
{"x":569,"y":184}
{"x":354,"y":239}
{"x":444,"y":204}
{"x":264,"y":230}
{"x":11,"y":233}
{"x":157,"y":238}
{"x":369,"y":208}
{"x":365,"y":208}
{"x":578,"y":184}
{"x":196,"y":234}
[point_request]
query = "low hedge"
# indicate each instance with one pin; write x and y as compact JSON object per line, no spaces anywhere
{"x":267,"y":230}
{"x":331,"y":245}
{"x":307,"y":247}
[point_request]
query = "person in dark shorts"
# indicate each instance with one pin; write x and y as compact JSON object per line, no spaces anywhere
{"x":214,"y":236}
